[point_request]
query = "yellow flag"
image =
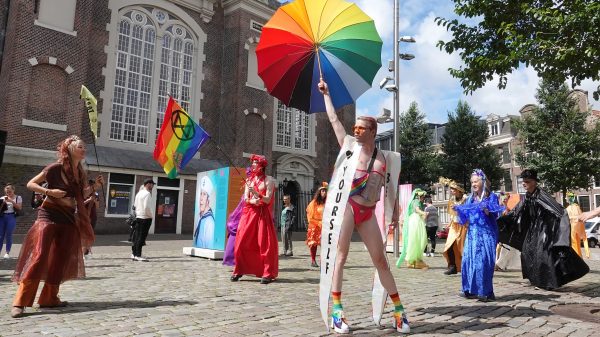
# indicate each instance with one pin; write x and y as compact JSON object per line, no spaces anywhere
{"x":91,"y":103}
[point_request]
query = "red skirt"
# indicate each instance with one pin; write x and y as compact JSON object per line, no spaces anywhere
{"x":51,"y":251}
{"x":256,"y":248}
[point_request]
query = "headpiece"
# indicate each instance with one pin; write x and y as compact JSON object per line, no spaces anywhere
{"x":324,"y":185}
{"x":262,"y":160}
{"x":479,"y":173}
{"x":206,"y":185}
{"x":419,"y":192}
{"x":149,"y":181}
{"x":452,"y":184}
{"x":529,"y":174}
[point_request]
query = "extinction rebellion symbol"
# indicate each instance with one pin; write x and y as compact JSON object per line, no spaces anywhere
{"x":183,"y":131}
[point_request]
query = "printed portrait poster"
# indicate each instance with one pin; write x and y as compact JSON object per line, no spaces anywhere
{"x":210,"y":214}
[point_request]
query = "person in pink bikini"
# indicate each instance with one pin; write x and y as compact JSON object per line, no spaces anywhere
{"x":365,"y":192}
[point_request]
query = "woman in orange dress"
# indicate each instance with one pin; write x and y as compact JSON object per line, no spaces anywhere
{"x":314,"y":214}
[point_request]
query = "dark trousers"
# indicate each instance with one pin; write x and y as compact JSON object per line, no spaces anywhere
{"x":431,"y":235}
{"x":286,"y":237}
{"x":142,"y":226}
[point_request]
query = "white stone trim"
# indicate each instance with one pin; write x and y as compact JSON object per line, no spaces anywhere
{"x":58,"y":29}
{"x":204,"y":7}
{"x":255,"y":7}
{"x":28,"y":156}
{"x":43,"y":125}
{"x":305,"y":177}
{"x":250,"y":85}
{"x":52,"y":61}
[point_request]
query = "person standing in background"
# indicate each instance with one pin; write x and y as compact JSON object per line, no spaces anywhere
{"x":314,"y":214}
{"x":288,"y":221}
{"x":577,"y":227}
{"x":143,"y":219}
{"x":453,"y":249}
{"x":431,"y":225}
{"x":10,"y":204}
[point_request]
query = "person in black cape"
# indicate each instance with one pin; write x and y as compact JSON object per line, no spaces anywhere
{"x":539,"y":227}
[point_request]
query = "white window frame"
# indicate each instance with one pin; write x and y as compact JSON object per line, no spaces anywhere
{"x":311,"y":136}
{"x":596,"y":203}
{"x":175,"y":15}
{"x":132,"y":194}
{"x":589,"y":202}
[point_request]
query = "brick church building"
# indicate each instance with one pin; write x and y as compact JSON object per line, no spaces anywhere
{"x":132,"y":54}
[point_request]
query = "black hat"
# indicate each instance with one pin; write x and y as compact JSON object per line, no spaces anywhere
{"x":149,"y":181}
{"x":529,"y":174}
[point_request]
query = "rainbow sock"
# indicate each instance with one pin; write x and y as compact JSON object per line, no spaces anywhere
{"x":398,"y":308}
{"x":337,"y":301}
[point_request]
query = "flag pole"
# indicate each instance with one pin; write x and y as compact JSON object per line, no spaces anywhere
{"x":230,"y":161}
{"x":90,"y":107}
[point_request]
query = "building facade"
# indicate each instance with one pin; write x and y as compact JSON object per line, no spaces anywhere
{"x":133,"y":55}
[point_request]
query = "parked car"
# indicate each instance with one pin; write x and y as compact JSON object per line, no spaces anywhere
{"x":592,"y":229}
{"x":443,"y":233}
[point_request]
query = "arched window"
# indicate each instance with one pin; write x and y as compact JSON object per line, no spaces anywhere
{"x":294,"y":130}
{"x":154,"y":59}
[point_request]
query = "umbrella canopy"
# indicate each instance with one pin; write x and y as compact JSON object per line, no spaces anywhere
{"x":307,"y":39}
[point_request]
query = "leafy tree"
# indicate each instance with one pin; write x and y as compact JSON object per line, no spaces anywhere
{"x":558,"y":142}
{"x":464,"y":148}
{"x":420,"y":164}
{"x":558,"y":39}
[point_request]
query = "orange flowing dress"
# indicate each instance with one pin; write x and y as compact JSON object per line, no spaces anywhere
{"x":51,"y":251}
{"x":314,"y":214}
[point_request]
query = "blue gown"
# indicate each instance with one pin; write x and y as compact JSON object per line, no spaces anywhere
{"x":479,"y":253}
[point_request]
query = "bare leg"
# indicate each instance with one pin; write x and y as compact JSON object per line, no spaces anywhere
{"x":342,"y":249}
{"x":371,"y":236}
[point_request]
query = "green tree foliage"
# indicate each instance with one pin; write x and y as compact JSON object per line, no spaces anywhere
{"x":420,"y":164}
{"x":558,"y":39}
{"x":464,"y":148}
{"x":557,"y":142}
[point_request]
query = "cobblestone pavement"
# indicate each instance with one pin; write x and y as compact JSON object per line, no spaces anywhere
{"x":176,"y":295}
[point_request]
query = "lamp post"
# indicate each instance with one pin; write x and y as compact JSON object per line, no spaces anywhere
{"x":396,"y":90}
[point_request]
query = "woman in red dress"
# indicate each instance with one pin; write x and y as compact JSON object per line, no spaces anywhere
{"x":256,"y":249}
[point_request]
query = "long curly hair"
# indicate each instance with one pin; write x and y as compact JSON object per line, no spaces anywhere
{"x":64,"y":152}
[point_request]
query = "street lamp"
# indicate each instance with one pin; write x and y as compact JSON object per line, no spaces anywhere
{"x":385,"y":117}
{"x":396,"y":109}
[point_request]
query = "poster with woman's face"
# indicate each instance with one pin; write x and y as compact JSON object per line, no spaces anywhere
{"x":211,"y":209}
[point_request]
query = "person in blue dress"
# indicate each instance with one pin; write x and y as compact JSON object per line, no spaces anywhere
{"x":479,"y":255}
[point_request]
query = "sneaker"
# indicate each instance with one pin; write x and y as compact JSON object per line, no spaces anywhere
{"x":132,"y":257}
{"x":6,"y":256}
{"x":139,"y":258}
{"x":451,"y":271}
{"x":338,"y":322}
{"x":314,"y":264}
{"x":401,"y":324}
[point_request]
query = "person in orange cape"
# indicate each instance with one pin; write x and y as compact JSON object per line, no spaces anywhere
{"x":314,"y":214}
{"x":256,"y":248}
{"x":52,"y":248}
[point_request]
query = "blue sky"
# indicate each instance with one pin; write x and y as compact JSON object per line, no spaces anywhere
{"x":425,"y":79}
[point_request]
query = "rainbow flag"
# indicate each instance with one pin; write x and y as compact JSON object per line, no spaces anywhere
{"x":178,"y":140}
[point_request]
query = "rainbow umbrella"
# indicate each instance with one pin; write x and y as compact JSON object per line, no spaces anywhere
{"x":309,"y":39}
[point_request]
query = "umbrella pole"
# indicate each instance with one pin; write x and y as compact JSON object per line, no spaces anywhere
{"x":319,"y":62}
